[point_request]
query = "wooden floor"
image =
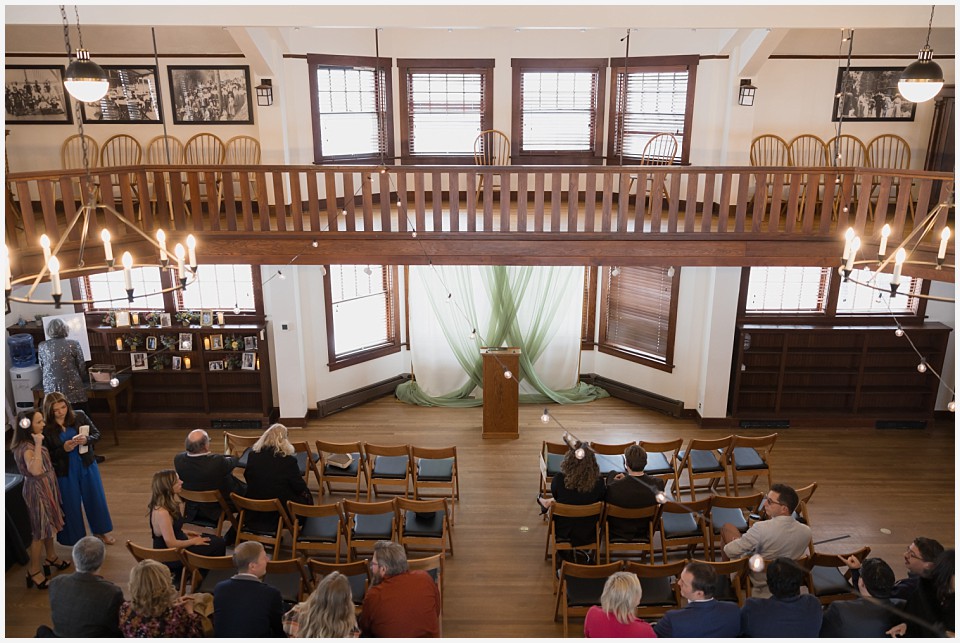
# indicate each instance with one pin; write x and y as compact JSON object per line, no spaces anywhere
{"x":497,"y":584}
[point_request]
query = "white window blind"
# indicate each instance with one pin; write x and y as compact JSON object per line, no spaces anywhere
{"x":558,"y":111}
{"x":350,"y":104}
{"x":445,"y":111}
{"x":362,"y":308}
{"x":219,"y":287}
{"x":862,"y":300}
{"x":778,"y":289}
{"x":654,"y":103}
{"x":107,"y":289}
{"x":637,"y":312}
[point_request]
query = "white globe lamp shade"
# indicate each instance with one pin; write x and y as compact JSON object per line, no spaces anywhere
{"x":85,"y":80}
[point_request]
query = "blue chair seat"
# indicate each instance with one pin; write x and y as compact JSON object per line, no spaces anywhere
{"x":584,"y":592}
{"x":429,"y":525}
{"x":657,"y":464}
{"x":829,"y":581}
{"x":288,"y":584}
{"x":261,"y":523}
{"x":243,"y":458}
{"x":302,"y":460}
{"x":358,"y":587}
{"x":373,"y":527}
{"x":680,"y":525}
{"x":608,"y":463}
{"x":554,"y":460}
{"x":657,"y":592}
{"x":721,"y":515}
{"x":704,"y":462}
{"x":320,"y":529}
{"x":349,"y":472}
{"x":747,"y":458}
{"x":435,"y":470}
{"x":390,"y":466}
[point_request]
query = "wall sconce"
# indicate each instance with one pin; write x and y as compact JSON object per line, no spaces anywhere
{"x":747,"y":93}
{"x":265,"y":92}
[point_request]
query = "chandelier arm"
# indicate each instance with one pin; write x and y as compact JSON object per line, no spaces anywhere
{"x":869,"y":284}
{"x":28,"y":300}
{"x":926,"y":224}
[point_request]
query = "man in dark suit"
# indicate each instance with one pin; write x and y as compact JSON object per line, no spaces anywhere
{"x":244,"y":606}
{"x":919,"y":559}
{"x":202,"y":470}
{"x":83,"y":604}
{"x":788,"y":613}
{"x":633,"y":490}
{"x":870,"y":615}
{"x":704,"y":616}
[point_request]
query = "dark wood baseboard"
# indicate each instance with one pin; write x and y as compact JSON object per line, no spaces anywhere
{"x":360,"y":395}
{"x":646,"y":399}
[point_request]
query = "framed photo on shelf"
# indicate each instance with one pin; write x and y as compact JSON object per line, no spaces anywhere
{"x":151,"y":343}
{"x":216,"y":342}
{"x":138,"y":361}
{"x":123,"y":318}
{"x":132,"y":97}
{"x":35,"y":94}
{"x":216,"y":365}
{"x":206,"y":318}
{"x":870,"y":94}
{"x":250,"y":343}
{"x":211,"y":95}
{"x":166,"y":320}
{"x":176,"y":362}
{"x":249,"y":362}
{"x":186,"y":341}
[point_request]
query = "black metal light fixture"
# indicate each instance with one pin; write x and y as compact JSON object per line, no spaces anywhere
{"x":84,"y":79}
{"x":747,"y":92}
{"x":923,"y":78}
{"x":265,"y":92}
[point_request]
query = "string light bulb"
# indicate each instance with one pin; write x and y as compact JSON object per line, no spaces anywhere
{"x":898,"y":332}
{"x":473,"y":334}
{"x":315,"y":243}
{"x":508,"y":374}
{"x":756,"y":563}
{"x":671,"y":272}
{"x":952,"y":406}
{"x":367,"y":271}
{"x":280,"y":275}
{"x":25,"y":423}
{"x":922,"y":366}
{"x":545,"y":418}
{"x":114,"y":382}
{"x":616,"y":271}
{"x":661,"y":498}
{"x":236,"y":309}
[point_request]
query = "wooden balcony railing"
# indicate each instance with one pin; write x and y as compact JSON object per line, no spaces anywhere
{"x":414,"y":214}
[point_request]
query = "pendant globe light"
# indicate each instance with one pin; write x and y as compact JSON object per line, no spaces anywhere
{"x":922,"y":79}
{"x":84,"y":79}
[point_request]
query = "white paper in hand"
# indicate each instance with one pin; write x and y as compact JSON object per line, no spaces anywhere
{"x":84,"y":430}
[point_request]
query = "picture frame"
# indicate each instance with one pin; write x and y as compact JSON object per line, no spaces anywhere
{"x":123,"y":318}
{"x":132,"y":97}
{"x":138,"y":361}
{"x":216,"y":365}
{"x":35,"y":95}
{"x":216,"y":342}
{"x":206,"y":318}
{"x":176,"y":362}
{"x":186,"y":341}
{"x":870,"y":94}
{"x":166,"y":320}
{"x":250,"y":343}
{"x":211,"y":94}
{"x":151,"y":343}
{"x":249,"y":362}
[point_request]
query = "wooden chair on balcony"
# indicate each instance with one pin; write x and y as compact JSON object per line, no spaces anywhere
{"x":769,"y":150}
{"x":206,"y":149}
{"x":845,"y":152}
{"x":888,"y":152}
{"x":243,"y":150}
{"x":491,"y":147}
{"x":120,"y":150}
{"x":661,"y":150}
{"x":163,"y":150}
{"x":71,"y":158}
{"x":808,"y":150}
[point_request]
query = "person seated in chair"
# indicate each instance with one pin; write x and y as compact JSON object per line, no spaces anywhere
{"x":202,"y":470}
{"x":704,"y":616}
{"x":244,"y":606}
{"x":632,"y":490}
{"x":577,"y":483}
{"x":789,"y":614}
{"x":919,"y":559}
{"x":871,"y":614}
{"x":84,"y":604}
{"x":400,"y":603}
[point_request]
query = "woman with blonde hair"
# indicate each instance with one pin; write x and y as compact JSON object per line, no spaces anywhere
{"x":272,"y":470}
{"x":328,"y":612}
{"x":154,"y":609}
{"x":617,"y":615}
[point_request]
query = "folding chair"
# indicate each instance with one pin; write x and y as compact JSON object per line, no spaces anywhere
{"x":207,"y":571}
{"x":387,"y":466}
{"x":705,"y":460}
{"x":172,"y":558}
{"x":662,"y":461}
{"x":424,"y":522}
{"x":827,"y":582}
{"x":684,"y":525}
{"x":320,"y":530}
{"x":368,"y":522}
{"x":733,"y":580}
{"x":750,"y":456}
{"x":554,"y":544}
{"x":307,"y":461}
{"x":610,"y":457}
{"x":551,"y":456}
{"x":357,"y":573}
{"x":805,"y":494}
{"x":332,"y":456}
{"x":734,"y":510}
{"x":213,"y":500}
{"x":659,"y":584}
{"x":290,"y":577}
{"x":581,"y":587}
{"x":256,"y":521}
{"x":642,"y":542}
{"x":436,"y":469}
{"x":433,"y":565}
{"x":238,"y":445}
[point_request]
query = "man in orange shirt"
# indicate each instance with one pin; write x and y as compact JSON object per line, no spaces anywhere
{"x":400,"y":603}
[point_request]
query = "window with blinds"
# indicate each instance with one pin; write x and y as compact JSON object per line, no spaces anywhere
{"x":106,"y":289}
{"x":351,"y":107}
{"x":638,"y":316}
{"x":862,"y":300}
{"x":557,"y":109}
{"x":778,"y":289}
{"x":650,"y":99}
{"x":362,"y":313}
{"x":219,"y":287}
{"x":444,"y":108}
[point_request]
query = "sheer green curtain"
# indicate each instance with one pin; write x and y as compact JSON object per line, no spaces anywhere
{"x":457,"y":310}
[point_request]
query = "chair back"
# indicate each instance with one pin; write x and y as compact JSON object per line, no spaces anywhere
{"x":121,"y":149}
{"x":610,"y":449}
{"x":169,"y":556}
{"x":424,"y":522}
{"x":491,"y":147}
{"x":662,"y":460}
{"x":255,"y":521}
{"x":769,"y":150}
{"x":157,"y":150}
{"x":394,"y":470}
{"x":826,"y":582}
{"x":805,"y":494}
{"x":331,"y":452}
{"x":320,"y":530}
{"x":71,"y":152}
{"x":660,"y":591}
{"x":850,"y":149}
{"x":433,"y":565}
{"x":889,"y":152}
{"x":207,"y":571}
{"x":732,"y":575}
{"x":237,"y":445}
{"x":212,"y":497}
{"x":660,"y":150}
{"x":204,"y":149}
{"x":644,"y":538}
{"x":610,"y":456}
{"x":551,"y":455}
{"x":357,"y":573}
{"x":307,"y":461}
{"x":242,"y":150}
{"x":290,"y":577}
{"x":808,"y":150}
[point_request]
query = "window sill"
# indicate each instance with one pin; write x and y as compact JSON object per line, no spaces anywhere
{"x":635,"y":357}
{"x":362,"y":356}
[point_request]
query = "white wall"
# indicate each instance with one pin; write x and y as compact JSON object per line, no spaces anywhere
{"x":945,"y":313}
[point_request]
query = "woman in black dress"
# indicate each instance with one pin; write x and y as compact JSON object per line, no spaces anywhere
{"x":272,"y":470}
{"x":166,"y":520}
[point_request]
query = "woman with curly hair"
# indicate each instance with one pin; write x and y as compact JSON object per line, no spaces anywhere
{"x":272,"y":470}
{"x":154,"y":610}
{"x":328,"y":613}
{"x":166,"y":521}
{"x":577,"y":483}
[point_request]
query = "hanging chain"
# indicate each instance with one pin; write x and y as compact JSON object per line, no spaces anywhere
{"x":930,"y":24}
{"x":66,"y":32}
{"x":76,"y":12}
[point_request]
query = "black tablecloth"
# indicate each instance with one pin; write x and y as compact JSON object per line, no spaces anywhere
{"x":18,"y":522}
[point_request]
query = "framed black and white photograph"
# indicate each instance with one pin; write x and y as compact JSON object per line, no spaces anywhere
{"x":249,"y":362}
{"x":206,"y":318}
{"x":211,"y":94}
{"x":186,"y":341}
{"x":35,"y":94}
{"x":165,"y":320}
{"x":870,"y":94}
{"x":175,"y":362}
{"x":250,"y":343}
{"x":151,"y":343}
{"x":216,"y":365}
{"x":138,"y":361}
{"x":133,"y":97}
{"x":216,"y":342}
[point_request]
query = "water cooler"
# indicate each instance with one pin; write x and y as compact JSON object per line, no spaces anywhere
{"x":25,"y":373}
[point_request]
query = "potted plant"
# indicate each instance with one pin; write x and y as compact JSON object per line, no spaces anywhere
{"x":152,"y":319}
{"x":186,"y":317}
{"x":110,"y":319}
{"x":133,"y":341}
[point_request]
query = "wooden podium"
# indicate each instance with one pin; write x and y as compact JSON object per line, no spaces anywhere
{"x":501,"y":396}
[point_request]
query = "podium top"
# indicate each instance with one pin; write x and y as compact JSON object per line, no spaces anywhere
{"x":490,"y":350}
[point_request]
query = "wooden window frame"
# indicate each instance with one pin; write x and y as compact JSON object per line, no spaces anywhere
{"x":667,"y":364}
{"x":588,"y":325}
{"x":466,"y":65}
{"x":597,"y":66}
{"x":651,"y":64}
{"x":335,"y":362}
{"x":383,"y":66}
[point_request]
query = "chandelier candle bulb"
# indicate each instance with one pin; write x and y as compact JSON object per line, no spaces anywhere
{"x":852,"y":255}
{"x":45,"y":244}
{"x":162,"y":240}
{"x":107,"y":248}
{"x":884,"y":235}
{"x":178,"y":253}
{"x":192,"y":251}
{"x":898,"y":266}
{"x":127,"y":261}
{"x":847,"y":240}
{"x":53,"y":265}
{"x":942,"y":252}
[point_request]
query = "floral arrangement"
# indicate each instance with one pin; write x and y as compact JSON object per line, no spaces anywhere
{"x":231,"y":363}
{"x":110,"y":319}
{"x":169,"y":342}
{"x":159,"y":361}
{"x":152,"y":319}
{"x":133,"y":341}
{"x":186,"y":317}
{"x":232,"y":343}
